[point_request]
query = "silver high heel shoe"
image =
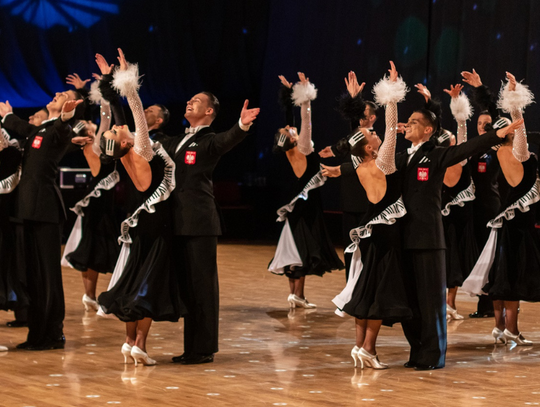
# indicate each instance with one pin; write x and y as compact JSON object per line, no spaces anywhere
{"x":371,"y":360}
{"x":89,"y":303}
{"x":356,"y":357}
{"x":140,"y":356}
{"x":518,"y":339}
{"x":290,"y":299}
{"x":451,"y":313}
{"x":300,"y":302}
{"x":498,"y":334}
{"x":126,"y":351}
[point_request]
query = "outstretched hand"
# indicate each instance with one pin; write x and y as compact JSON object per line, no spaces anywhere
{"x":472,"y":78}
{"x":424,"y":91}
{"x":401,"y":127}
{"x":454,"y":91}
{"x":352,"y":85}
{"x":331,"y":172}
{"x":76,"y":81}
{"x":284,"y":81}
{"x":122,"y":60}
{"x":82,"y":141}
{"x":326,"y":152}
{"x":248,"y":115}
{"x":5,"y":108}
{"x":510,"y":128}
{"x":511,"y":81}
{"x":303,"y":79}
{"x":104,"y":67}
{"x":393,"y":72}
{"x":70,"y":105}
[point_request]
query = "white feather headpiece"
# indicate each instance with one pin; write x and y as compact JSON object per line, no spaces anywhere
{"x":126,"y":81}
{"x":461,"y":108}
{"x":387,"y":91}
{"x":302,"y":93}
{"x":518,"y":99}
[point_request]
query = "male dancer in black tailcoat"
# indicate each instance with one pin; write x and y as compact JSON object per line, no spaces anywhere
{"x":197,"y":222}
{"x":40,"y":206}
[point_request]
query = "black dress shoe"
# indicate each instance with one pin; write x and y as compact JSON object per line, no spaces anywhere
{"x":425,"y":367}
{"x":478,"y":314}
{"x":60,"y":343}
{"x":196,"y":359}
{"x":410,"y":364}
{"x":16,"y":324}
{"x":181,"y":358}
{"x":23,"y":345}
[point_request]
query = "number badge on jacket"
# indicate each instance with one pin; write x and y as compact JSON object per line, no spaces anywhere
{"x":422,"y":174}
{"x":482,"y":167}
{"x":37,"y":142}
{"x":190,"y":157}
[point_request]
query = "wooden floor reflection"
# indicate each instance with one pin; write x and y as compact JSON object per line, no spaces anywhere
{"x":268,"y":355}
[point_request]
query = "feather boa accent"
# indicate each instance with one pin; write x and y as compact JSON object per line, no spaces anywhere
{"x":95,"y":95}
{"x":126,"y":81}
{"x":461,"y":108}
{"x":514,"y":100}
{"x":387,"y":91}
{"x":351,"y":108}
{"x":302,"y":93}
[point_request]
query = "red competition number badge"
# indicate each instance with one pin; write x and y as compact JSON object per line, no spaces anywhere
{"x":422,"y":174}
{"x":482,"y":167}
{"x":190,"y":157}
{"x":37,"y":142}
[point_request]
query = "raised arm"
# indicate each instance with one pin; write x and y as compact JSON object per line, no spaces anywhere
{"x":461,"y":110}
{"x":514,"y":97}
{"x":126,"y":81}
{"x":388,"y":92}
{"x":303,"y":93}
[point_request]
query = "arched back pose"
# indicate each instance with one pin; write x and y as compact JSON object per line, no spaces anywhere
{"x":304,"y":247}
{"x":509,"y":267}
{"x":375,"y":291}
{"x":143,"y":287}
{"x":457,"y":207}
{"x":92,"y":247}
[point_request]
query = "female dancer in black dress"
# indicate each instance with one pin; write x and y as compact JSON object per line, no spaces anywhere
{"x":457,"y":207}
{"x":143,"y":287}
{"x":375,"y":292}
{"x":92,"y":247}
{"x":304,"y":247}
{"x":509,"y":267}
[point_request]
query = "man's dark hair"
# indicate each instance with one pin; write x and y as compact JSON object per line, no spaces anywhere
{"x":214,"y":103}
{"x":164,"y":114}
{"x":430,"y":118}
{"x":373,"y":108}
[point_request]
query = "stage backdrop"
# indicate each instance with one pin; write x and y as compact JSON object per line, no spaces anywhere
{"x":236,"y":49}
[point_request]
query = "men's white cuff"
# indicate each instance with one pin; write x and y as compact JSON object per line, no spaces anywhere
{"x":66,"y":116}
{"x":243,"y":126}
{"x":6,"y":115}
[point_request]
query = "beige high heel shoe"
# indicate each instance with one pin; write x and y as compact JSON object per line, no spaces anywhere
{"x":140,"y":356}
{"x":371,"y":360}
{"x":300,"y":302}
{"x":126,"y":351}
{"x":451,"y":313}
{"x":356,"y":357}
{"x":498,"y":334}
{"x":89,"y":303}
{"x":518,"y":339}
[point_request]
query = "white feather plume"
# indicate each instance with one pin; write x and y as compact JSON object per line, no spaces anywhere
{"x":302,"y":93}
{"x":518,"y":99}
{"x":461,"y":108}
{"x":126,"y":81}
{"x":95,"y":95}
{"x":387,"y":91}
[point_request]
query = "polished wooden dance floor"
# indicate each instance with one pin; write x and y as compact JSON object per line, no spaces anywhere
{"x":268,"y":355}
